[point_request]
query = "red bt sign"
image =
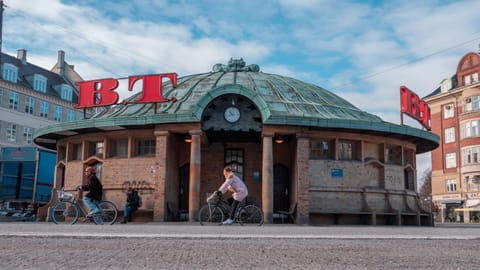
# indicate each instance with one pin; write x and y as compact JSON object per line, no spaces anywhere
{"x":415,"y":107}
{"x":97,"y":93}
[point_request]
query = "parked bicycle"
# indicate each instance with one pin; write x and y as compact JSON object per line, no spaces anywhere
{"x":218,"y":210}
{"x":67,"y":210}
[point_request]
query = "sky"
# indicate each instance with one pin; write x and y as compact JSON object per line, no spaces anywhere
{"x":363,"y":51}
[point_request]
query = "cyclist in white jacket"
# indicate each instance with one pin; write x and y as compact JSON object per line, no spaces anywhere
{"x":238,"y":188}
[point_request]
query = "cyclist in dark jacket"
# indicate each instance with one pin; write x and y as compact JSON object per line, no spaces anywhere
{"x":95,"y":191}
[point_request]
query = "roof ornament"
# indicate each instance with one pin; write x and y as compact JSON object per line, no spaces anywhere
{"x":235,"y":65}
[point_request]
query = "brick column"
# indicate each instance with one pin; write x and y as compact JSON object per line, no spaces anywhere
{"x":303,"y":182}
{"x":161,"y":153}
{"x":195,"y":166}
{"x":267,"y":178}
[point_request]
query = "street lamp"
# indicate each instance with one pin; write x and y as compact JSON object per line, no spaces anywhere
{"x":428,"y":200}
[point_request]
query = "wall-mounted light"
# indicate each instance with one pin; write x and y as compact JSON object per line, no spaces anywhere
{"x":188,"y":138}
{"x":278,"y":140}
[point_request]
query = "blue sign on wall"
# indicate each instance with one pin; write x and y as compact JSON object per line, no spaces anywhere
{"x":337,"y":173}
{"x":19,"y":153}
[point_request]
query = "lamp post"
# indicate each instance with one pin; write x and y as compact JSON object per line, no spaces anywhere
{"x":428,"y":200}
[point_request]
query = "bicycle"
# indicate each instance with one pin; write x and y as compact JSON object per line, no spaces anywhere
{"x":218,"y":210}
{"x":67,"y":210}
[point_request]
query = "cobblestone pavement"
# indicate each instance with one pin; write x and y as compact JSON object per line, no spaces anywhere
{"x":191,"y":246}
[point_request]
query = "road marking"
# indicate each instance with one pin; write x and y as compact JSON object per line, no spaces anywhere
{"x":227,"y":236}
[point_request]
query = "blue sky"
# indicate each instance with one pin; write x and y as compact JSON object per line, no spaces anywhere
{"x":360,"y":50}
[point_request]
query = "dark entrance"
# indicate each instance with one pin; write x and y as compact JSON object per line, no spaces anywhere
{"x":281,"y":188}
{"x":183,"y":189}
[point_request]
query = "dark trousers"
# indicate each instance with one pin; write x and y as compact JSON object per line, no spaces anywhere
{"x":128,"y":211}
{"x":234,"y":208}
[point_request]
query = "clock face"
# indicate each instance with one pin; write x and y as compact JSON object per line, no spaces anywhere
{"x":232,"y":114}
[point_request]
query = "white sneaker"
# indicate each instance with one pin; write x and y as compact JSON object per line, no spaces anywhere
{"x":228,"y":222}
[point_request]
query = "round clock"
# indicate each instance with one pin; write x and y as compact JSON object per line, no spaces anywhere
{"x":232,"y":114}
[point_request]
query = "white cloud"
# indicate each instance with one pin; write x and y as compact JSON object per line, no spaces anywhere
{"x":360,"y":51}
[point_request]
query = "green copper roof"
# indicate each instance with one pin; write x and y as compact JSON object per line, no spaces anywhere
{"x":289,"y":100}
{"x":280,"y":100}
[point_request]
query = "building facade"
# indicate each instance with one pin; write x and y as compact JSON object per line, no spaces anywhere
{"x":293,"y":144}
{"x":31,"y":97}
{"x":455,"y":164}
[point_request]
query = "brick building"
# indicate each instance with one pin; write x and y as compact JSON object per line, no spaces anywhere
{"x":290,"y":141}
{"x":455,"y":164}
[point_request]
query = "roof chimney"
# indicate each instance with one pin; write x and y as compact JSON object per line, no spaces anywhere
{"x":22,"y":55}
{"x":61,"y":63}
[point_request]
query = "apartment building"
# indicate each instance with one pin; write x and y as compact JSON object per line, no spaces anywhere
{"x":31,"y":97}
{"x":455,"y":108}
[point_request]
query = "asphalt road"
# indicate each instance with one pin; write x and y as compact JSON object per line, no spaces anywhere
{"x":30,"y":245}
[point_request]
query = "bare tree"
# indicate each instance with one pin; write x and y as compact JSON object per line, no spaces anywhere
{"x":425,"y":193}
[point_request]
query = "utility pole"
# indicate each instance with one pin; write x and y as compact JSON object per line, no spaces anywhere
{"x":1,"y":35}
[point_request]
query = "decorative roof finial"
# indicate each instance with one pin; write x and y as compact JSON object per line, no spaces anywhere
{"x":235,"y":65}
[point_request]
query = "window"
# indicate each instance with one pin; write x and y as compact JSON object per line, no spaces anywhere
{"x":476,"y":103}
{"x":446,"y":85}
{"x":467,"y":79}
{"x":57,"y":113}
{"x":470,"y":155}
{"x":448,"y":111}
{"x":119,"y":148}
{"x":28,"y":135}
{"x":467,"y":156}
{"x":408,"y":156}
{"x":44,"y":109}
{"x":469,"y":129}
{"x":13,"y":101}
{"x":450,"y":160}
{"x":11,"y":132}
{"x":321,"y":149}
{"x":29,"y":105}
{"x":234,"y":158}
{"x":70,"y":115}
{"x":449,"y":135}
{"x":451,"y":185}
{"x":76,"y":150}
{"x":95,"y":149}
{"x":66,"y":92}
{"x":347,"y":150}
{"x":61,"y":152}
{"x":471,"y":104}
{"x":145,"y":146}
{"x":39,"y":83}
{"x":475,"y":77}
{"x":394,"y":154}
{"x":10,"y":73}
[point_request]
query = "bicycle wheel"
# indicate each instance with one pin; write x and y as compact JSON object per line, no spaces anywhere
{"x":109,"y":213}
{"x":210,"y":215}
{"x":250,"y":215}
{"x":64,"y":212}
